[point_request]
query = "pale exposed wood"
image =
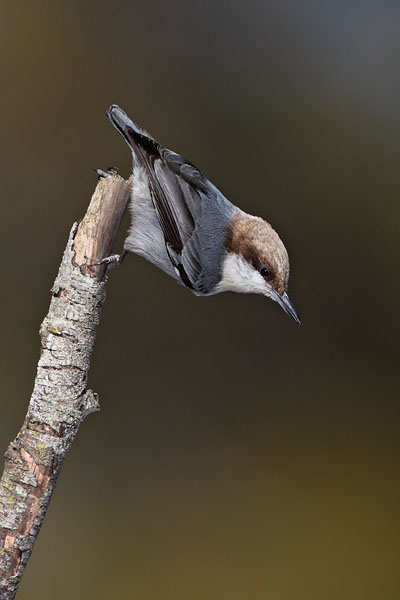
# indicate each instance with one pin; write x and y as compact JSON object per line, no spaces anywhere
{"x":98,"y":228}
{"x":60,"y":399}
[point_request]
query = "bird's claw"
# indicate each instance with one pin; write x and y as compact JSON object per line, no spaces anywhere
{"x":104,"y":174}
{"x":111,"y":261}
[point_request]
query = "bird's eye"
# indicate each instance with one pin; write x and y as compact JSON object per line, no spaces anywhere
{"x":265,"y":272}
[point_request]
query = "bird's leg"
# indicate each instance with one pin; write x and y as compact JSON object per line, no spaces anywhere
{"x":115,"y":260}
{"x":109,"y":173}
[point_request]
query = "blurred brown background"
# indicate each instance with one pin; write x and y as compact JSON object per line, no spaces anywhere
{"x":236,"y":455}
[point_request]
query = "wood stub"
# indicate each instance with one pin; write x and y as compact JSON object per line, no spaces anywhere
{"x":96,"y":232}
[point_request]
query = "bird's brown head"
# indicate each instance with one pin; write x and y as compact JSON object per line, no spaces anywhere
{"x":256,"y":261}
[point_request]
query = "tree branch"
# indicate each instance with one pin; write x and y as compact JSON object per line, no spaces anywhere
{"x":60,"y":400}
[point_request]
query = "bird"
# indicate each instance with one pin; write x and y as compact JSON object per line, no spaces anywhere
{"x":184,"y":225}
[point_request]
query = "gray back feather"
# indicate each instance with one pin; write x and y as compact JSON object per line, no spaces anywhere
{"x":194,"y":216}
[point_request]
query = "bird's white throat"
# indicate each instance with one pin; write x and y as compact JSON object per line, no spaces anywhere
{"x":238,"y":275}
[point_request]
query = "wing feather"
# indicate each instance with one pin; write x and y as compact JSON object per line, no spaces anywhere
{"x":176,"y":188}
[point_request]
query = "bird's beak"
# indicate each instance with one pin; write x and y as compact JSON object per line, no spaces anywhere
{"x":284,"y":301}
{"x":120,"y":120}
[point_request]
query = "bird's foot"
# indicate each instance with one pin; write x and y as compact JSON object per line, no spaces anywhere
{"x":112,"y":261}
{"x":104,"y":174}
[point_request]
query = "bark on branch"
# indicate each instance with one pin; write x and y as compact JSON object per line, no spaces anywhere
{"x":60,"y":400}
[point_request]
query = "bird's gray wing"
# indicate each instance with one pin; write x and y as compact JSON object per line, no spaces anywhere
{"x":179,"y":191}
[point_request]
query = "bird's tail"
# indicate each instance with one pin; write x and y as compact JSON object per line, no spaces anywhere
{"x":131,"y":132}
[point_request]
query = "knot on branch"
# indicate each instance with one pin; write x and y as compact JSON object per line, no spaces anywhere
{"x":88,"y":403}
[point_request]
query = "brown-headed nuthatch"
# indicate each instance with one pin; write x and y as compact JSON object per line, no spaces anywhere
{"x":184,"y":225}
